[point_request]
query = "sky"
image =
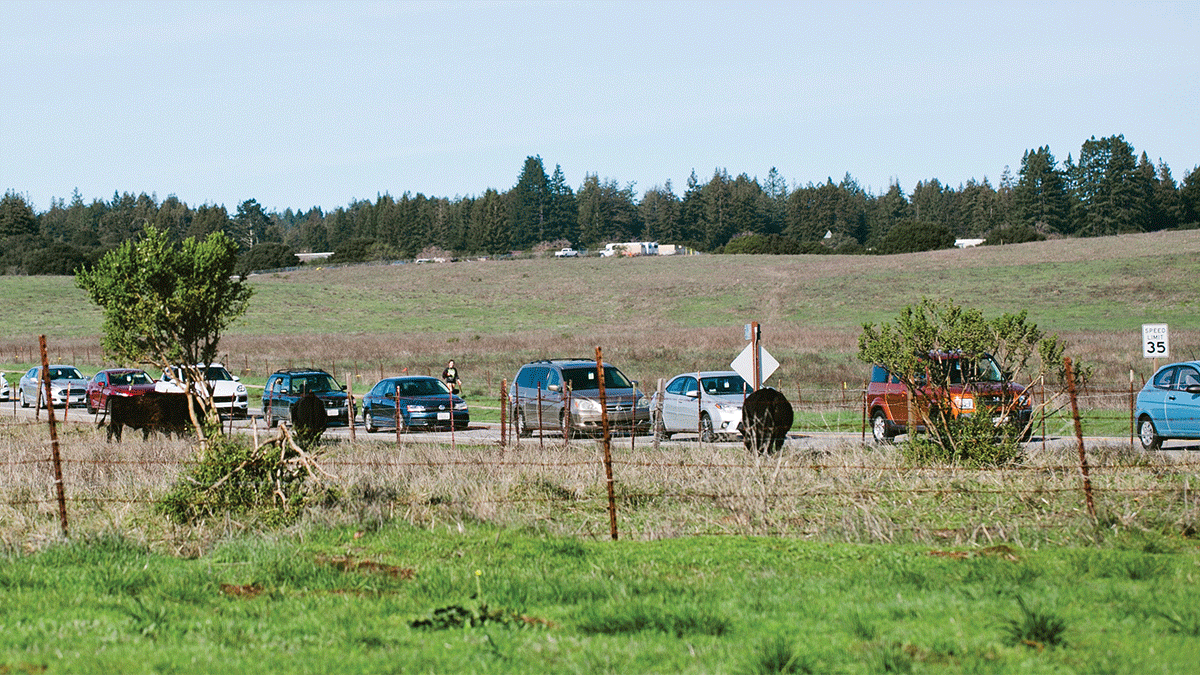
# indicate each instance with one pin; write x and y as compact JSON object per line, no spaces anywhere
{"x":302,"y":104}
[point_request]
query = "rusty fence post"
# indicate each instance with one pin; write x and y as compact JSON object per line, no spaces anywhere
{"x":350,"y":405}
{"x":503,"y":413}
{"x":55,"y":457}
{"x":1083,"y":463}
{"x":608,"y":472}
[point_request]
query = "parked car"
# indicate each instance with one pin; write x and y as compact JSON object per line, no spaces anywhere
{"x":567,"y":252}
{"x":228,"y":393}
{"x":68,"y":386}
{"x":971,"y":385}
{"x":554,"y":394}
{"x":1169,"y":405}
{"x":5,"y":390}
{"x":285,"y":387}
{"x":425,"y":402}
{"x":116,"y":382}
{"x":710,"y":405}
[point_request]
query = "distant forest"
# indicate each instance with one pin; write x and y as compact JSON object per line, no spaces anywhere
{"x":1108,"y":190}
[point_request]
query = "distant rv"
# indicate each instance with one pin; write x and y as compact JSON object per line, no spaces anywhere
{"x":630,"y":248}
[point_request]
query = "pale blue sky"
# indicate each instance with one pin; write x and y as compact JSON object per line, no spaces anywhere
{"x":300,"y":104}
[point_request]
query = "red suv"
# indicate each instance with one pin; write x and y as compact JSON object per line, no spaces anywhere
{"x":961,"y":384}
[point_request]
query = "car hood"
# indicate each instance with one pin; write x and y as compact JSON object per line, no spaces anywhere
{"x":131,"y":389}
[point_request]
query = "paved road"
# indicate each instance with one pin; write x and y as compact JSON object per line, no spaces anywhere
{"x":488,"y":433}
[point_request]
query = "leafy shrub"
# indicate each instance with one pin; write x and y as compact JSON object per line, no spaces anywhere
{"x":234,"y":477}
{"x":963,"y":441}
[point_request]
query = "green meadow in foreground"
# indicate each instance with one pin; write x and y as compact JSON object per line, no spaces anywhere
{"x":400,"y":599}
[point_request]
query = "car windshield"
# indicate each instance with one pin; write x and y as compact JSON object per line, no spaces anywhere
{"x":964,"y":370}
{"x":126,"y":379}
{"x":212,"y":373}
{"x":724,"y":385}
{"x":65,"y":374}
{"x":582,"y":379}
{"x":425,"y":386}
{"x":317,"y":383}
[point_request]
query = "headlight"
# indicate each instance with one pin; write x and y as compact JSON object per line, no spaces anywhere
{"x":414,"y":407}
{"x":585,"y":405}
{"x":461,"y":405}
{"x":241,"y":389}
{"x":643,"y":402}
{"x":964,"y":402}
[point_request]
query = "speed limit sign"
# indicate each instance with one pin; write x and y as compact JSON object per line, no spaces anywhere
{"x":1155,"y":342}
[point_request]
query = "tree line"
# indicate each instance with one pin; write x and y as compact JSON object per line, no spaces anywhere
{"x":1109,"y":189}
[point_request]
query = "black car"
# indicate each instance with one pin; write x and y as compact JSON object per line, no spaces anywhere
{"x":425,"y":403}
{"x":285,"y":387}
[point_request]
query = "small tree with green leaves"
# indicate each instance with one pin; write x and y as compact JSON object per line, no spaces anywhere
{"x":167,"y":304}
{"x":914,"y":348}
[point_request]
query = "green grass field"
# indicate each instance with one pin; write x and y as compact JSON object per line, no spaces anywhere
{"x":399,"y":599}
{"x":841,"y":559}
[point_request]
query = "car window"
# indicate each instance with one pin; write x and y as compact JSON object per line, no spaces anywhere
{"x":525,"y":377}
{"x":1165,"y":378}
{"x":582,"y":379}
{"x":1187,"y":376}
{"x":676,"y":386}
{"x":215,"y":373}
{"x":724,"y":385}
{"x":552,"y":378}
{"x":689,"y":384}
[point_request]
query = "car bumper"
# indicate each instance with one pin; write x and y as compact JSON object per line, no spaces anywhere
{"x":618,"y":421}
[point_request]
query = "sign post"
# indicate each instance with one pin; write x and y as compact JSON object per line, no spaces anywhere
{"x":754,"y":364}
{"x":1156,"y":342}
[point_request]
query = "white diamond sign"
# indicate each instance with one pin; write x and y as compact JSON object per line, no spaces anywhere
{"x":744,"y":363}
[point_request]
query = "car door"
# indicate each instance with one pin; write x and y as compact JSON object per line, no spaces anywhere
{"x":97,"y":391}
{"x":1182,"y":408}
{"x":670,"y":403}
{"x":684,"y":415}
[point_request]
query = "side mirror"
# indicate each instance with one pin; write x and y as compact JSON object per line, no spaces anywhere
{"x":236,"y":378}
{"x":390,"y":394}
{"x":694,"y":393}
{"x":553,"y":387}
{"x":343,"y":387}
{"x":283,"y":390}
{"x":1193,"y":389}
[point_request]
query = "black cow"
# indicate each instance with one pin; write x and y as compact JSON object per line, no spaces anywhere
{"x":309,"y":419}
{"x":151,"y":411}
{"x":766,"y":418}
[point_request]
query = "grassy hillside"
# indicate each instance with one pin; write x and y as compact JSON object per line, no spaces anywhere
{"x":656,"y":316}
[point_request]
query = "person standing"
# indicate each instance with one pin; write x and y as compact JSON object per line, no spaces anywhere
{"x":450,"y":377}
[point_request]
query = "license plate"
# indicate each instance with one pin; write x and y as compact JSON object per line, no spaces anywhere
{"x":332,"y":412}
{"x":443,"y":416}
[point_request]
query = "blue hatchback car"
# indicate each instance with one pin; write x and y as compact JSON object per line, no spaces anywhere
{"x":425,"y":403}
{"x":1169,"y":405}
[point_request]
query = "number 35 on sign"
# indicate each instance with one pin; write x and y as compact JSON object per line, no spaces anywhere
{"x":1155,"y":342}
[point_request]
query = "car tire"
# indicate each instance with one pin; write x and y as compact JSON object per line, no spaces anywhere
{"x":659,"y":430}
{"x":1148,"y":434}
{"x":881,"y":429}
{"x":707,"y":435}
{"x":523,"y":429}
{"x":367,"y":421}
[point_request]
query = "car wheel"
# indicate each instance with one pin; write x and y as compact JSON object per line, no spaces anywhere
{"x":706,"y":430}
{"x":881,"y":429}
{"x":369,"y":422}
{"x":24,"y":401}
{"x":523,"y":429}
{"x":1148,"y":434}
{"x":659,"y":430}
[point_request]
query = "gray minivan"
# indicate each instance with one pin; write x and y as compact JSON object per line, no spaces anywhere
{"x":542,"y":391}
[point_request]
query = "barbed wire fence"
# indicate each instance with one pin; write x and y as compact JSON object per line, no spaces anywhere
{"x":845,"y":489}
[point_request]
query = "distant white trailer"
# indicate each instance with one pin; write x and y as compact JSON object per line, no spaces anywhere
{"x":630,"y":248}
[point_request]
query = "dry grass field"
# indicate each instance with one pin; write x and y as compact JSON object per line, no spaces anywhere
{"x":658,"y":316}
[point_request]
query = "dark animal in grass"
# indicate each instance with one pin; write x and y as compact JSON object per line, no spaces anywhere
{"x":309,"y":419}
{"x":766,"y":418}
{"x":152,"y":411}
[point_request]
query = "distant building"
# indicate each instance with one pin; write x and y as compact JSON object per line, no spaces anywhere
{"x":968,"y":243}
{"x":309,"y":257}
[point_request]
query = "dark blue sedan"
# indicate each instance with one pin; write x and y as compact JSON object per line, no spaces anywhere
{"x":425,"y":403}
{"x":1169,"y":405}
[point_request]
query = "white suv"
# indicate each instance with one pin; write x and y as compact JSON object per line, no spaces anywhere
{"x":228,"y":392}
